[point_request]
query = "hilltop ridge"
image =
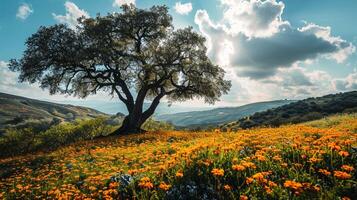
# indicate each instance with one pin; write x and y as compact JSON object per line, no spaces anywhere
{"x":218,"y":116}
{"x":301,"y":111}
{"x":16,"y":109}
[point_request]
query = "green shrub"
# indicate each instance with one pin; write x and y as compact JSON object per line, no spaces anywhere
{"x":153,"y":125}
{"x":57,"y":136}
{"x":17,"y":141}
{"x":26,"y":139}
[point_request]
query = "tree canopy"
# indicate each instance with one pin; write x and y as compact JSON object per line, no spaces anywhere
{"x":135,"y":55}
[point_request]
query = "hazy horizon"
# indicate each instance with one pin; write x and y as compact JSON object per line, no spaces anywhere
{"x":115,"y":106}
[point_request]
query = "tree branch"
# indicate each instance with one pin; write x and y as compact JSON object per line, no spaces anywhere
{"x":154,"y":104}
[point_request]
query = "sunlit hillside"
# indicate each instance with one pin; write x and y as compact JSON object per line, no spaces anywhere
{"x":17,"y":111}
{"x":305,"y":161}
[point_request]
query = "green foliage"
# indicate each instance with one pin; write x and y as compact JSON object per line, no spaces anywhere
{"x":133,"y":53}
{"x":17,"y":141}
{"x":152,"y":125}
{"x":28,"y":139}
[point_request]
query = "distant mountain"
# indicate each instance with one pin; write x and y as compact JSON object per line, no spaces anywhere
{"x":115,"y":106}
{"x":219,"y":115}
{"x":15,"y":110}
{"x":300,"y":111}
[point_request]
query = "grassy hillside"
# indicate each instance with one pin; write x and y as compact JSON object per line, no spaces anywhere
{"x":16,"y":110}
{"x":219,"y":115}
{"x":300,"y":111}
{"x":316,"y":160}
{"x":31,"y":138}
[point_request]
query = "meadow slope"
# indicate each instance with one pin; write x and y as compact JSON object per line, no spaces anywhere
{"x":304,"y":161}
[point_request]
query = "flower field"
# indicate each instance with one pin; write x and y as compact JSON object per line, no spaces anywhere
{"x":316,"y":160}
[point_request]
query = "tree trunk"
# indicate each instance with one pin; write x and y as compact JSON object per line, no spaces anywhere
{"x":136,"y":118}
{"x":131,"y":124}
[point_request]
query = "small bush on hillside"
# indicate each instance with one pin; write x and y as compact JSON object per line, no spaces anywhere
{"x":15,"y":120}
{"x":17,"y":141}
{"x":71,"y":132}
{"x":153,"y":125}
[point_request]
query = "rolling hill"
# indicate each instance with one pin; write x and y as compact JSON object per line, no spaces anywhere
{"x":16,"y":110}
{"x":300,"y":111}
{"x":218,"y":116}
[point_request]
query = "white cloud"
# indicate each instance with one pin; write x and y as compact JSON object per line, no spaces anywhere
{"x":118,"y":3}
{"x":7,"y":77}
{"x":253,"y":18}
{"x":264,"y":42}
{"x":345,"y":49}
{"x":10,"y":84}
{"x":183,"y":9}
{"x":297,"y":82}
{"x":295,"y":76}
{"x":290,"y":83}
{"x":71,"y":16}
{"x":24,"y":11}
{"x":347,"y":84}
{"x":287,"y":83}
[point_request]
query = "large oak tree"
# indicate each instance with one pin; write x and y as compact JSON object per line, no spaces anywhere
{"x":135,"y":55}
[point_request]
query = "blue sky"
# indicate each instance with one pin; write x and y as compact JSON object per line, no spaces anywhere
{"x":270,"y":49}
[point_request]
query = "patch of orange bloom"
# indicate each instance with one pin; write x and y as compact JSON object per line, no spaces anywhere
{"x":324,"y":172}
{"x":238,"y":167}
{"x":156,"y":162}
{"x":341,"y":175}
{"x":227,"y":187}
{"x":347,"y":168}
{"x":164,"y":186}
{"x":179,"y":174}
{"x":146,"y":183}
{"x":217,"y":172}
